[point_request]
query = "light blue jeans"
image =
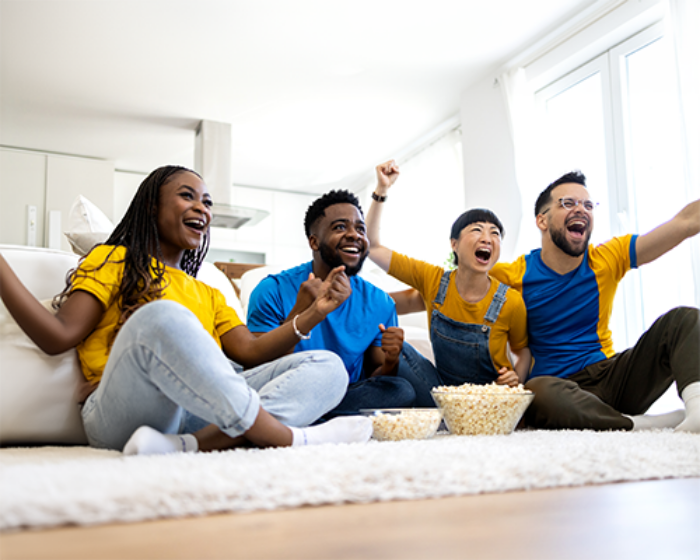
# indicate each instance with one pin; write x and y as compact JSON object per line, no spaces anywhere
{"x":167,"y":372}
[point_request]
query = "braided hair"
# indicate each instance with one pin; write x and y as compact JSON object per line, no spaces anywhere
{"x":143,"y":278}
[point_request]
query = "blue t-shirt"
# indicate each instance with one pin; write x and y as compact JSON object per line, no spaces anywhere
{"x":568,"y":314}
{"x":348,"y":331}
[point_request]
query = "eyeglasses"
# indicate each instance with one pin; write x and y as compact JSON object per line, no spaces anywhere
{"x":570,"y":203}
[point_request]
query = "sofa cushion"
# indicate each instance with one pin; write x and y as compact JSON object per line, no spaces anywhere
{"x":37,"y":391}
{"x":210,"y":274}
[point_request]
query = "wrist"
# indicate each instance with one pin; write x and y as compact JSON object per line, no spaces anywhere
{"x":309,"y":318}
{"x":300,"y":335}
{"x":381,"y":190}
{"x":378,"y":197}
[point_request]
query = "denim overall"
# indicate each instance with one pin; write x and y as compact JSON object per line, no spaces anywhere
{"x":461,"y":350}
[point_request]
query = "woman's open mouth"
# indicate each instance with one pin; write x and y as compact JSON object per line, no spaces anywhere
{"x":483,"y":255}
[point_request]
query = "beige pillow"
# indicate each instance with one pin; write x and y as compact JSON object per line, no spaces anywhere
{"x":87,"y":226}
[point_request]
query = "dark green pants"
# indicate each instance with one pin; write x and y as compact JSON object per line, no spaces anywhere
{"x":596,"y":397}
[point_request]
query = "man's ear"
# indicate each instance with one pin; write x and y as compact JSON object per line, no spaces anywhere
{"x":541,"y":222}
{"x":313,"y":242}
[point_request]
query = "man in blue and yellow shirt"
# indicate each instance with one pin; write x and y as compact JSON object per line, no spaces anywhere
{"x":568,"y":287}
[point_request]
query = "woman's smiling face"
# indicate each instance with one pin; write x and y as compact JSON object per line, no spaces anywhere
{"x":184,"y":214}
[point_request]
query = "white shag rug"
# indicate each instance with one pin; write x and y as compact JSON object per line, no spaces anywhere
{"x":50,"y":486}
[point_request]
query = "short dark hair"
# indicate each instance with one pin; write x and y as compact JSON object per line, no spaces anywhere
{"x":470,"y":217}
{"x":318,"y":207}
{"x":475,"y":215}
{"x":545,"y":197}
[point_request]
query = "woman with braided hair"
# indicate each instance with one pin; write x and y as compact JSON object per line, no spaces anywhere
{"x":154,"y":343}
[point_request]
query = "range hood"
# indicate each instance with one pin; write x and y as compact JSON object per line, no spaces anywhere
{"x":212,"y":160}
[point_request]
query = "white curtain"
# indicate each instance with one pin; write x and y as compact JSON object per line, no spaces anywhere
{"x":527,"y":148}
{"x":427,"y":197}
{"x":684,"y":20}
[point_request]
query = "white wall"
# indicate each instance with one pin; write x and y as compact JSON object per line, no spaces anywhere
{"x":489,"y":167}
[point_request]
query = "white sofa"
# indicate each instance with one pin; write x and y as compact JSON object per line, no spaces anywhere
{"x":37,"y":391}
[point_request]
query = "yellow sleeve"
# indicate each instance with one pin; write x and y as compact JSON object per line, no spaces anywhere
{"x":226,"y":317}
{"x":100,"y":274}
{"x":510,"y":273}
{"x":422,"y":276}
{"x":517,"y":334}
{"x":615,"y":254}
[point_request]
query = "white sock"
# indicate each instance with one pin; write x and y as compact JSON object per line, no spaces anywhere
{"x":658,"y":421}
{"x":691,"y":398}
{"x":344,"y":429}
{"x":147,"y":441}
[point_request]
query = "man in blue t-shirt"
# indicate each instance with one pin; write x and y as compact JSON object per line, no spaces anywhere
{"x":568,"y":287}
{"x":363,"y":330}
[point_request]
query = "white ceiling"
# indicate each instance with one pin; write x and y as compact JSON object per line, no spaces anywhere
{"x":317,"y":91}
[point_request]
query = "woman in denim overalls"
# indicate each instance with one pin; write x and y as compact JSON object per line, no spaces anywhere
{"x":472,"y":316}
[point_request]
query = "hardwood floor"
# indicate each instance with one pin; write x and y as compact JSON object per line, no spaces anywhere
{"x":657,"y":520}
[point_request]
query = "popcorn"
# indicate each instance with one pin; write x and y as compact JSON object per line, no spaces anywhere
{"x":482,"y":409}
{"x":405,"y":423}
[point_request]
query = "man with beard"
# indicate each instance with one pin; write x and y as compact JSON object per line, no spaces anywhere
{"x":568,"y":287}
{"x":363,"y":330}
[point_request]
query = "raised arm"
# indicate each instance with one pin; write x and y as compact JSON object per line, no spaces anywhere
{"x":54,"y":334}
{"x":662,"y":239}
{"x":387,"y":173}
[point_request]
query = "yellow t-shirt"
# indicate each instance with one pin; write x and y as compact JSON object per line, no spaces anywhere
{"x":207,"y":303}
{"x":511,"y":325}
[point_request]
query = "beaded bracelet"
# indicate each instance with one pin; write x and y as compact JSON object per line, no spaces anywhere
{"x":298,"y":332}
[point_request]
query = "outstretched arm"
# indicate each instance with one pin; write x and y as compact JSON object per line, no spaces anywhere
{"x":54,"y":334}
{"x":662,"y":239}
{"x":387,"y":173}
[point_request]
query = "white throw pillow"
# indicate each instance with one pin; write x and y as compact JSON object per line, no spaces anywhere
{"x":87,"y":226}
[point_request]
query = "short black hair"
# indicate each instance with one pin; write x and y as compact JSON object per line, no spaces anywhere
{"x":318,"y":207}
{"x":475,"y":215}
{"x":545,"y":197}
{"x":472,"y":216}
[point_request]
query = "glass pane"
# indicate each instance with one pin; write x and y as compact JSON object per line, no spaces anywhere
{"x":656,"y":177}
{"x":576,"y":140}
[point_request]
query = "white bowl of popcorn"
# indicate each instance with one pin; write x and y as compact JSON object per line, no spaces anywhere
{"x":392,"y":424}
{"x":482,"y":409}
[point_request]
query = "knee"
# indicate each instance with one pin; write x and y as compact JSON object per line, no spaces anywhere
{"x":330,"y":370}
{"x":158,"y":312}
{"x":156,"y":320}
{"x":548,"y":392}
{"x":685,"y":318}
{"x":404,"y":391}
